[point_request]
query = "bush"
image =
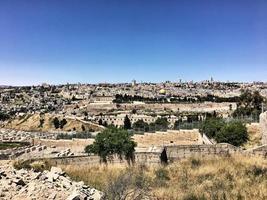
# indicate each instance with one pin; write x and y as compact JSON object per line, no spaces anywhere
{"x":63,"y":123}
{"x":22,"y":164}
{"x":140,"y":125}
{"x":162,"y":176}
{"x":195,"y":162}
{"x":56,"y":123}
{"x":4,"y":116}
{"x":211,"y":126}
{"x":37,"y":166}
{"x":234,"y":133}
{"x":130,"y":184}
{"x":257,"y":171}
{"x":192,"y":196}
{"x":127,"y":123}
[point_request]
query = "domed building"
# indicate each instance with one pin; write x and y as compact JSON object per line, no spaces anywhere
{"x":162,"y":92}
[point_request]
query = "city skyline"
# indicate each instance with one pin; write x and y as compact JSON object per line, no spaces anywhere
{"x":151,"y":41}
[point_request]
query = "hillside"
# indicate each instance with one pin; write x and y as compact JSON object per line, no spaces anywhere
{"x":236,"y":177}
{"x":44,"y":123}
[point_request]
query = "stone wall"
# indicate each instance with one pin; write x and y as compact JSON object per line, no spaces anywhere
{"x":173,"y":153}
{"x":263,"y":127}
{"x":79,"y":160}
{"x":258,"y":151}
{"x":76,"y":145}
{"x":185,"y":151}
{"x":142,"y":157}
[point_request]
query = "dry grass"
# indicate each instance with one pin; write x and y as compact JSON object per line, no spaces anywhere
{"x":215,"y":178}
{"x":94,"y":175}
{"x":31,"y":122}
{"x":254,"y":134}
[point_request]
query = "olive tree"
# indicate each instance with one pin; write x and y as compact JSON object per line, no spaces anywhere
{"x":113,"y":141}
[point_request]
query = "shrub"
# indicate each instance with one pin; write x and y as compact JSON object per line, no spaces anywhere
{"x":41,"y":123}
{"x":192,"y":196}
{"x":234,"y":133}
{"x":4,"y":116}
{"x":140,"y":125}
{"x":20,"y":164}
{"x":257,"y":171}
{"x":56,"y":123}
{"x":37,"y":166}
{"x":130,"y":184}
{"x":212,"y":126}
{"x":127,"y":123}
{"x":63,"y":122}
{"x":195,"y":162}
{"x":162,"y":176}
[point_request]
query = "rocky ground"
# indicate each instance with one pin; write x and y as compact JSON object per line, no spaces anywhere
{"x":54,"y":184}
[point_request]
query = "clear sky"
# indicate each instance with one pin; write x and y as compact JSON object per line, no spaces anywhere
{"x":91,"y":41}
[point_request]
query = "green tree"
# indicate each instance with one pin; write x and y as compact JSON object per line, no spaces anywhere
{"x":83,"y":128}
{"x":234,"y":133}
{"x":211,"y":126}
{"x":56,"y":122}
{"x":113,"y":141}
{"x":140,"y":125}
{"x":177,"y":124}
{"x":63,"y":122}
{"x":105,"y":124}
{"x":161,"y":123}
{"x":4,"y":116}
{"x":249,"y":103}
{"x":127,"y":123}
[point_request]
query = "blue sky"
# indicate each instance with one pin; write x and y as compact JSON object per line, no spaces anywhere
{"x":59,"y":41}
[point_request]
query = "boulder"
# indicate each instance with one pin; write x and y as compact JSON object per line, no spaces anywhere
{"x":56,"y":170}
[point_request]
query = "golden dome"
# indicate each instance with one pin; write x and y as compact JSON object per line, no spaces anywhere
{"x":162,"y":91}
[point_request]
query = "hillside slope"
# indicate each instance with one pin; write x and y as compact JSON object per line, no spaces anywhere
{"x":44,"y":123}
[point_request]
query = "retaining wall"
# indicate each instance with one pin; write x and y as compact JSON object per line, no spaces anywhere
{"x":186,"y":151}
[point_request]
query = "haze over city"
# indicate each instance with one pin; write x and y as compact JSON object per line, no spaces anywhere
{"x":116,"y":41}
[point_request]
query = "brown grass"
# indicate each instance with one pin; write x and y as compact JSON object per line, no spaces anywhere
{"x":31,"y":122}
{"x":254,"y":134}
{"x":215,"y":178}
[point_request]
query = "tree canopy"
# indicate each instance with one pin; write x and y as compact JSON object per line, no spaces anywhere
{"x":56,"y":122}
{"x":234,"y":132}
{"x":211,"y":126}
{"x":249,"y":104}
{"x":113,"y":141}
{"x":160,"y":124}
{"x":127,"y":123}
{"x":140,"y":125}
{"x":4,"y":116}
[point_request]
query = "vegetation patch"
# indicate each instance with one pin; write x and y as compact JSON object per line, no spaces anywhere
{"x":233,"y":132}
{"x":11,"y":145}
{"x":37,"y":166}
{"x":236,"y":177}
{"x":113,"y":142}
